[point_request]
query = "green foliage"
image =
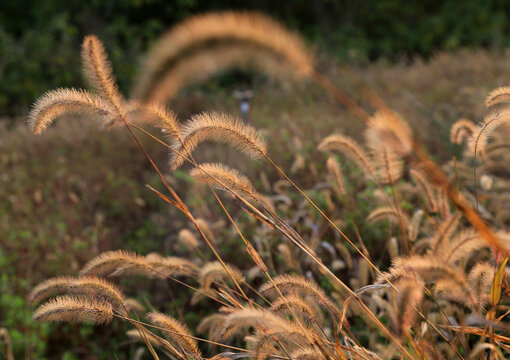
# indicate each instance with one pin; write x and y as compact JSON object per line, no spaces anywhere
{"x":19,"y":317}
{"x":39,"y":40}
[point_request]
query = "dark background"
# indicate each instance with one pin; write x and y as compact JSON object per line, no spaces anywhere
{"x":39,"y":40}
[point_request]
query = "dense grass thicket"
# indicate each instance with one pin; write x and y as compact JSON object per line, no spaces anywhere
{"x":359,"y":214}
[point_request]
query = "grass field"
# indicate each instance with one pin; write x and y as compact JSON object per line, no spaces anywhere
{"x":77,"y":191}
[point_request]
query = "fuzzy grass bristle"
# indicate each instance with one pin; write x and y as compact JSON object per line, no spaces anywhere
{"x":161,"y":117}
{"x":387,"y":165}
{"x":286,"y":283}
{"x":92,"y":285}
{"x":199,"y":66}
{"x":479,"y":283}
{"x":112,"y":261}
{"x":482,"y":132}
{"x":428,"y":268}
{"x":386,"y":213}
{"x":463,"y":244}
{"x":445,"y":231}
{"x":98,"y":70}
{"x":166,"y":266}
{"x":215,"y":271}
{"x":75,"y":309}
{"x":460,"y":130}
{"x":293,"y":303}
{"x":306,"y":354}
{"x":497,"y":96}
{"x":176,"y":332}
{"x":410,"y":294}
{"x":350,"y":148}
{"x":217,"y":127}
{"x":87,"y":285}
{"x":336,"y":173}
{"x":56,"y":103}
{"x":188,"y":239}
{"x":393,"y":131}
{"x":49,"y":288}
{"x":223,"y":177}
{"x":240,"y":319}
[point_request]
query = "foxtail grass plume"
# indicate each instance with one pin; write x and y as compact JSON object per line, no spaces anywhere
{"x":463,"y":244}
{"x":336,"y":174}
{"x":482,"y":132}
{"x":48,"y":288}
{"x":350,"y":148}
{"x":215,"y":271}
{"x":460,"y":130}
{"x":410,"y":294}
{"x":88,"y":285}
{"x":388,"y":213}
{"x":240,"y":319}
{"x":75,"y":309}
{"x":295,"y":304}
{"x":199,"y":66}
{"x":158,"y":115}
{"x":217,"y":127}
{"x":294,"y":283}
{"x":479,"y":283}
{"x":387,"y":164}
{"x":216,"y":41}
{"x":223,"y":177}
{"x":164,"y":266}
{"x":177,"y":333}
{"x":498,"y":96}
{"x":393,"y":130}
{"x":188,"y":239}
{"x":112,"y":261}
{"x":98,"y":71}
{"x":428,"y":268}
{"x":56,"y":103}
{"x":414,"y":225}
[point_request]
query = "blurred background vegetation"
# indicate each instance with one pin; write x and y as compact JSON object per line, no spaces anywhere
{"x":39,"y":39}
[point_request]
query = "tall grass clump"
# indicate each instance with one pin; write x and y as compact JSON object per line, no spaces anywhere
{"x":439,"y":292}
